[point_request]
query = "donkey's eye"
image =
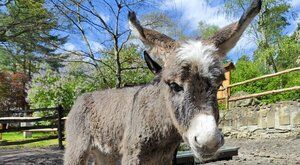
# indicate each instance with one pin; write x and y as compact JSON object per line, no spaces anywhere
{"x":208,"y":85}
{"x":175,"y":87}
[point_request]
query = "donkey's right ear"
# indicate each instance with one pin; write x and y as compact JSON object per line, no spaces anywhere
{"x":158,"y":44}
{"x":152,"y":65}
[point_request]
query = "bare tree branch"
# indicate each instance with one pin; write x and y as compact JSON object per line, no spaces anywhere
{"x":5,"y":3}
{"x":133,"y":68}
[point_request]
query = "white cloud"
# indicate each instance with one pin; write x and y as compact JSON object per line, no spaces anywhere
{"x":96,"y":46}
{"x":69,"y":46}
{"x":194,"y":11}
{"x":105,"y":17}
{"x":295,"y":3}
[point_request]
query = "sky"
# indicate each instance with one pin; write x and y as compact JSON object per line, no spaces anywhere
{"x":194,"y":11}
{"x":190,"y":13}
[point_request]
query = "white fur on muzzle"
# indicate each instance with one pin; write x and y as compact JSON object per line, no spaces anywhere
{"x":203,"y":136}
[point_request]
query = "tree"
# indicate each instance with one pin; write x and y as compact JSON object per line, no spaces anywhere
{"x":267,"y":29}
{"x":26,"y":25}
{"x":26,"y":37}
{"x":26,"y":34}
{"x":247,"y":69}
{"x":108,"y":25}
{"x":207,"y":30}
{"x":50,"y":88}
{"x":12,"y":94}
{"x":271,"y":24}
{"x":161,"y":22}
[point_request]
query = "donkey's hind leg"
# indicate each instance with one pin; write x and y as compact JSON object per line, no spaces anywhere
{"x":75,"y":155}
{"x":77,"y":148}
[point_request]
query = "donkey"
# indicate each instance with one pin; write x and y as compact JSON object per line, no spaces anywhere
{"x":145,"y":124}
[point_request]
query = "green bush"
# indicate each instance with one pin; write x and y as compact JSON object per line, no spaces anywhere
{"x":248,"y":69}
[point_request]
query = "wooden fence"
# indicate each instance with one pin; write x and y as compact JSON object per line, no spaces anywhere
{"x":56,"y":118}
{"x":228,"y":99}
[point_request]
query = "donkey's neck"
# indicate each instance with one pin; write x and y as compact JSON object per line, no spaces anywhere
{"x":150,"y":106}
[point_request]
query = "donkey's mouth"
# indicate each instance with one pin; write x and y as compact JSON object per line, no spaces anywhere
{"x":203,"y":156}
{"x":203,"y":153}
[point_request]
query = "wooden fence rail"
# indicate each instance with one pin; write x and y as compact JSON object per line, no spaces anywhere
{"x":264,"y":77}
{"x":265,"y":93}
{"x":227,"y":88}
{"x":56,"y":118}
{"x":10,"y":112}
{"x":16,"y":129}
{"x":25,"y":119}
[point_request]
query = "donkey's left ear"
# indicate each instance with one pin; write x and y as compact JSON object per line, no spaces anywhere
{"x":227,"y":37}
{"x":152,"y":65}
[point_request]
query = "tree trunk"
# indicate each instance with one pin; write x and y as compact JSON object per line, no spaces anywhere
{"x":118,"y":70}
{"x":117,"y":65}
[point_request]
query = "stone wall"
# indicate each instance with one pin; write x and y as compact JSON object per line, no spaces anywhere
{"x":262,"y":121}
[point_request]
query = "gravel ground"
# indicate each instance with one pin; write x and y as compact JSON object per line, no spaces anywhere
{"x":266,"y":151}
{"x":47,"y":156}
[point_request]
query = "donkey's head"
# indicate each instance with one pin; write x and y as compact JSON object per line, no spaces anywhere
{"x":191,"y":75}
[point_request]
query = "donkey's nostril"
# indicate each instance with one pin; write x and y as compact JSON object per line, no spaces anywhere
{"x":222,"y":140}
{"x":195,"y":138}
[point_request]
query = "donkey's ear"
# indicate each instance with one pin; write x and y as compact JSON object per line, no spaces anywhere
{"x":152,"y":65}
{"x":227,"y":37}
{"x":158,"y":44}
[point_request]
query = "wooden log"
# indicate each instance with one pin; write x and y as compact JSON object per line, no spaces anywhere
{"x":264,"y":93}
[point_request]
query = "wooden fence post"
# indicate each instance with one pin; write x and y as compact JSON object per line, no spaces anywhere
{"x":227,"y":97}
{"x":1,"y":127}
{"x":60,"y":126}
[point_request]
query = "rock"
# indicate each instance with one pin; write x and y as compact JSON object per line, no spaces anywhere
{"x":243,"y":103}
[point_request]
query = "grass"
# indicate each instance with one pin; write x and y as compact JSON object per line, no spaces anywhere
{"x":12,"y":137}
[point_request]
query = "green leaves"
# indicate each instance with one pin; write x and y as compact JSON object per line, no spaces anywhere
{"x":206,"y":30}
{"x":50,"y":88}
{"x":26,"y":32}
{"x":247,"y":69}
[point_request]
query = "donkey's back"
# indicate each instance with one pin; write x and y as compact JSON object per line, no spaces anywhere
{"x":96,"y":120}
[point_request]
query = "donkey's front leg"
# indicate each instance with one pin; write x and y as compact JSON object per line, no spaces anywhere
{"x":131,"y":157}
{"x":131,"y":149}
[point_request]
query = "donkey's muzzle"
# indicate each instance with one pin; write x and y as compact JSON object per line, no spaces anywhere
{"x":210,"y":147}
{"x":204,"y":136}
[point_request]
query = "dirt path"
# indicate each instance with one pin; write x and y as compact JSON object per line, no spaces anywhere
{"x":267,"y":151}
{"x":42,"y":156}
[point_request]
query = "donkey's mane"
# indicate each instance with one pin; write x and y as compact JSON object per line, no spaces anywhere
{"x":156,"y":80}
